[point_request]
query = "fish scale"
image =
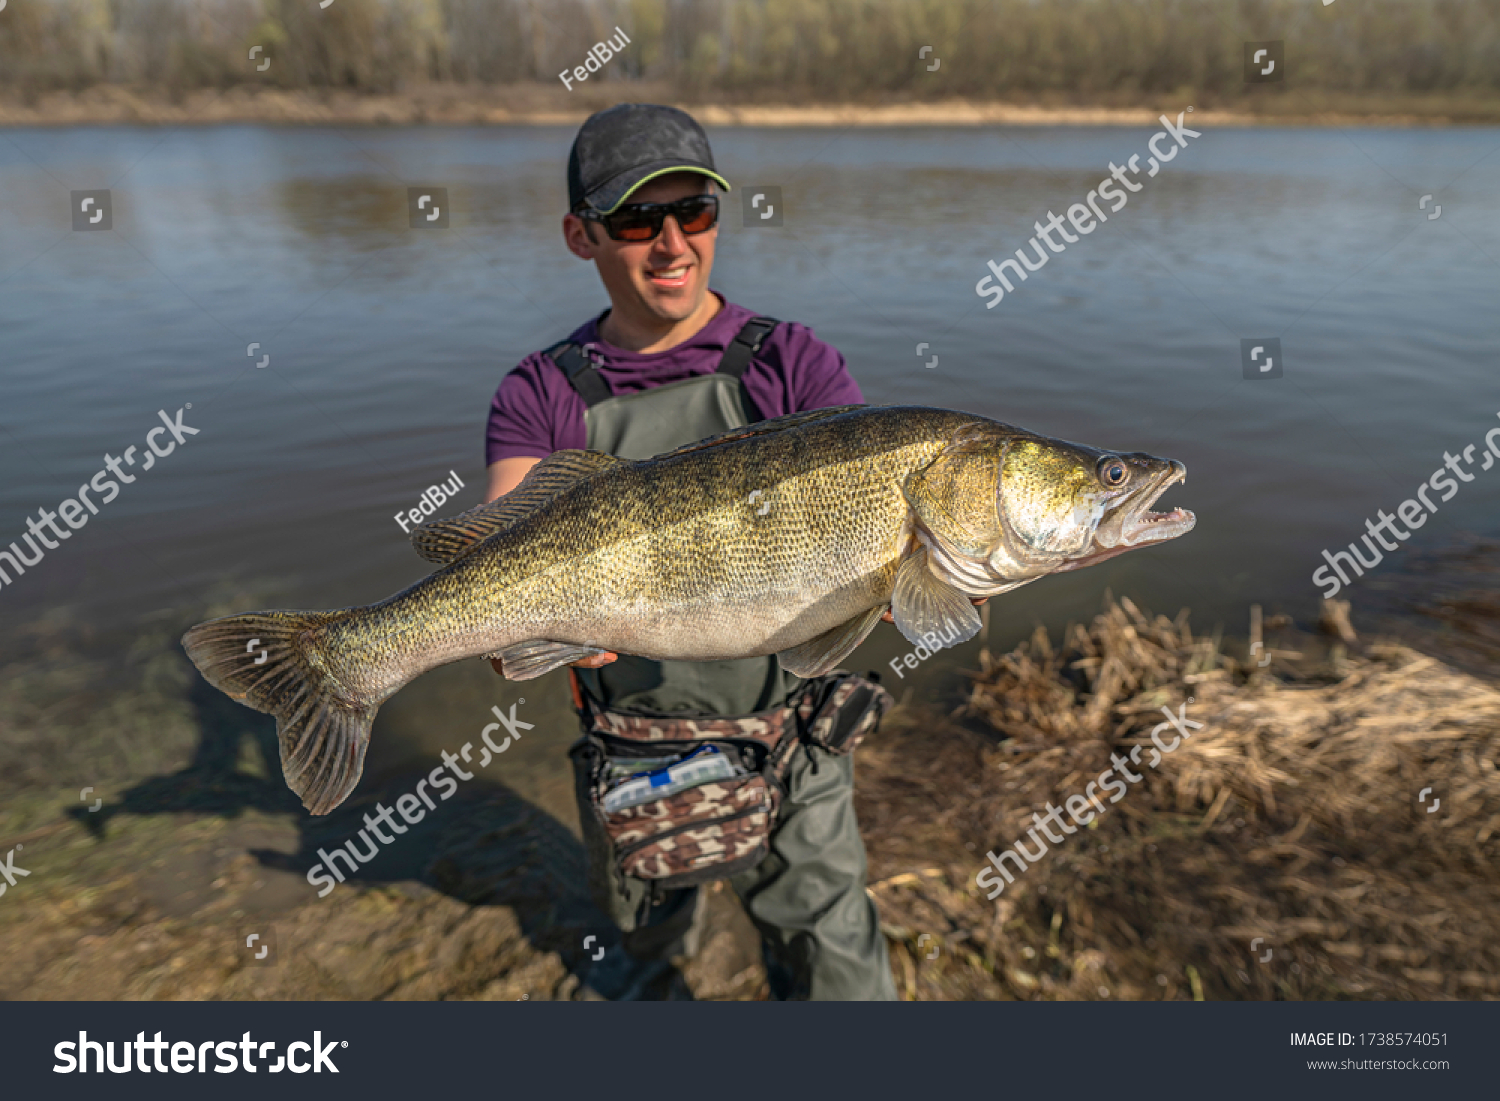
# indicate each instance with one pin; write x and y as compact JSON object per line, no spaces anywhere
{"x":784,"y":537}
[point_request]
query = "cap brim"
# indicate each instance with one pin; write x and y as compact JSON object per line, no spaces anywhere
{"x":608,"y":198}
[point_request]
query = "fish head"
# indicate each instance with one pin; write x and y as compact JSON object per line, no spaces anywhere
{"x":1064,"y":506}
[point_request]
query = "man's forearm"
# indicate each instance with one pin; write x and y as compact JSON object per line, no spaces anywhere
{"x":506,"y":474}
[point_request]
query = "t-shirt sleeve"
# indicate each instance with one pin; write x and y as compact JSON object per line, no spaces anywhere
{"x":809,"y":373}
{"x":534,"y":413}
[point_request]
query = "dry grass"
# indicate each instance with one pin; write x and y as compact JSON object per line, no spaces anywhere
{"x":1292,"y":816}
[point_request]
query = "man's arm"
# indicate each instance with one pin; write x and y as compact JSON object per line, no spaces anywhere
{"x":506,"y":474}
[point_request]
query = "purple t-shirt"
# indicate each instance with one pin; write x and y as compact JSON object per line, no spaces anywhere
{"x":536,"y":411}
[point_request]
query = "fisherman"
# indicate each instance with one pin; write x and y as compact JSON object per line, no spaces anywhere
{"x":669,"y":363}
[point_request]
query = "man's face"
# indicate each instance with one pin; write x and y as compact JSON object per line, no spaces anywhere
{"x":665,"y":279}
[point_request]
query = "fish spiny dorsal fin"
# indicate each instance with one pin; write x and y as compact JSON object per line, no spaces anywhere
{"x":760,"y":428}
{"x":447,"y":540}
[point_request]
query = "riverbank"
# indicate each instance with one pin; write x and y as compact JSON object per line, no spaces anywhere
{"x":1284,"y":850}
{"x":543,"y":105}
{"x":1320,"y":827}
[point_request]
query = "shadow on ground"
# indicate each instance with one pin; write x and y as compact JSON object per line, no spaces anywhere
{"x":484,"y":846}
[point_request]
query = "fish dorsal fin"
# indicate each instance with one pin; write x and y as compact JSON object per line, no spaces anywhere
{"x":760,"y":428}
{"x":446,"y":540}
{"x":955,"y":495}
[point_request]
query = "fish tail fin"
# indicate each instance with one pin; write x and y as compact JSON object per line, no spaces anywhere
{"x":274,"y":662}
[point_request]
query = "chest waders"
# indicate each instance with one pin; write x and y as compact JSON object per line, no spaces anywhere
{"x":639,"y":426}
{"x":782,"y":830}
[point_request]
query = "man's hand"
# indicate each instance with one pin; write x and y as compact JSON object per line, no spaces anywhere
{"x":975,"y":600}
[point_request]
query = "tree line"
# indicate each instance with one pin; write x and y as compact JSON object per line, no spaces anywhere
{"x":761,"y":50}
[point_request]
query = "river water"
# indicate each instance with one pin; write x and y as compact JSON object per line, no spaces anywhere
{"x":386,"y":343}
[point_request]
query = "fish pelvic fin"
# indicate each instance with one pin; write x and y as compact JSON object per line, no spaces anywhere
{"x":530,"y":659}
{"x":443,"y":541}
{"x":273,"y":662}
{"x":819,"y":656}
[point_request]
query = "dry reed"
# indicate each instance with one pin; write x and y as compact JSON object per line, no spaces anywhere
{"x":1292,"y":816}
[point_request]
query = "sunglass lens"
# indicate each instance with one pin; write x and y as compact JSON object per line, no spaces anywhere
{"x":644,"y":223}
{"x":631,"y":226}
{"x":699,"y":217}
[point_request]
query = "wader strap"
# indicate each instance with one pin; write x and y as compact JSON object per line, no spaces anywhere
{"x":646,"y":423}
{"x":581,"y":374}
{"x":593,"y":389}
{"x":745,"y":344}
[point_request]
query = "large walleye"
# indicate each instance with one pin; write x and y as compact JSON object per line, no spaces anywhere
{"x":788,"y":537}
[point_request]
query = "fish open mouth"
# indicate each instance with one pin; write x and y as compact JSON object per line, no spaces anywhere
{"x":1141,"y":525}
{"x":1133,"y":523}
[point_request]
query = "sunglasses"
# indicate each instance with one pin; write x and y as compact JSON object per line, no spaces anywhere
{"x":643,"y":221}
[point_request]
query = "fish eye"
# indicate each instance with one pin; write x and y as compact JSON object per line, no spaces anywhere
{"x":1112,"y":472}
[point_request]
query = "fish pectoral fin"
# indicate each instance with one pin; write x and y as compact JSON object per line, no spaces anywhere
{"x":923,"y":605}
{"x":760,"y":428}
{"x":820,"y":655}
{"x":446,"y":540}
{"x":530,"y":659}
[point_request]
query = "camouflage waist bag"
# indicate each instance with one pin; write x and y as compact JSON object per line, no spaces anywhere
{"x":715,"y":829}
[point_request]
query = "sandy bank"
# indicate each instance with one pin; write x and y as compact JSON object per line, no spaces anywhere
{"x":1285,"y":850}
{"x":457,"y":105}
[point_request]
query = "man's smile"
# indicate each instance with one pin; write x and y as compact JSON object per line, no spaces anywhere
{"x":668,"y":278}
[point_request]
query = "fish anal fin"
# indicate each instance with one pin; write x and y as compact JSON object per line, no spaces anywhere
{"x":928,"y":609}
{"x":820,"y":655}
{"x":534,"y":657}
{"x":761,"y":428}
{"x":445,"y":540}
